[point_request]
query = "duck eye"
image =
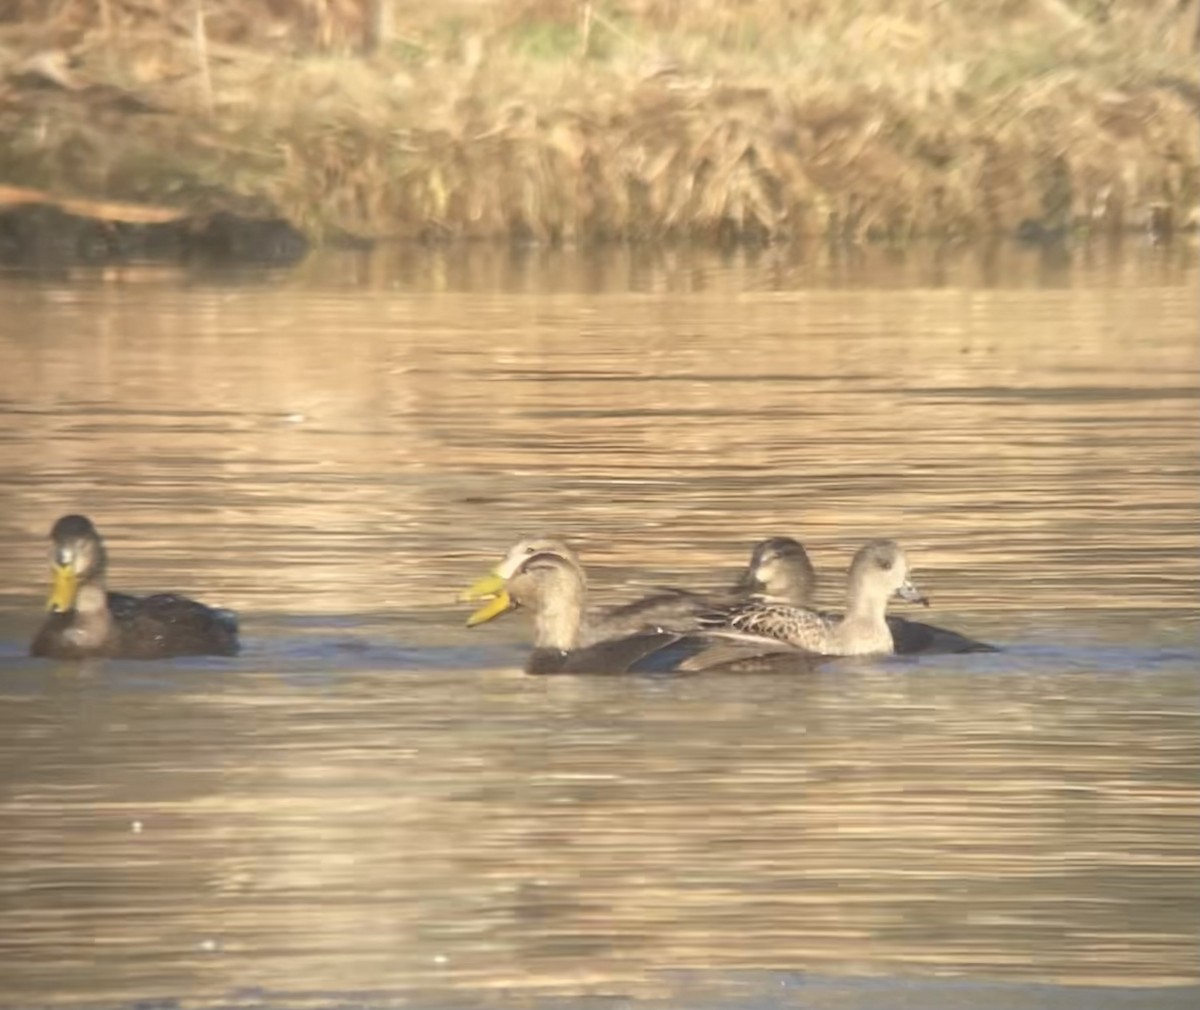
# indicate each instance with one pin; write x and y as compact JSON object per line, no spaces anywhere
{"x":885,"y":564}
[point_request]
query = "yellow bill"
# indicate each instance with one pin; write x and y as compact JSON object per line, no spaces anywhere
{"x":66,"y":585}
{"x":497,"y":605}
{"x":483,"y":589}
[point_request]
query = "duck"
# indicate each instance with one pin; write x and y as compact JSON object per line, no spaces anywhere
{"x":878,"y":572}
{"x":553,"y":587}
{"x":85,"y":620}
{"x":675,"y":609}
{"x":780,"y":570}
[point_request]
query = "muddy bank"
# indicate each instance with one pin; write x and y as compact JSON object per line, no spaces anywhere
{"x":562,"y":121}
{"x":40,"y":231}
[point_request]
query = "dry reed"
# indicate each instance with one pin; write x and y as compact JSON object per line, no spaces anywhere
{"x":565,"y":120}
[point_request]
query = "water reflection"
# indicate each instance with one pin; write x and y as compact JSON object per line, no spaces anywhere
{"x":655,"y":269}
{"x":373,"y":798}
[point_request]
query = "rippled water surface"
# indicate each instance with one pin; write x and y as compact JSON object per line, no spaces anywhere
{"x":372,"y":803}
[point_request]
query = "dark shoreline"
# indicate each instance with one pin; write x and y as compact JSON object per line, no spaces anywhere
{"x":41,"y":235}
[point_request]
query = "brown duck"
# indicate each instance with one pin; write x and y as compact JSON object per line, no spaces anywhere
{"x":86,"y":620}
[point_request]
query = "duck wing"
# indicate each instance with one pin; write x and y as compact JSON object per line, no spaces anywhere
{"x":154,"y":627}
{"x":797,"y":626}
{"x":676,"y":609}
{"x":661,"y":651}
{"x":736,"y":652}
{"x":123,"y":605}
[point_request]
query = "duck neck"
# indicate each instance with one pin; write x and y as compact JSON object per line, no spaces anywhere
{"x":559,"y":622}
{"x":91,"y":620}
{"x":865,"y":608}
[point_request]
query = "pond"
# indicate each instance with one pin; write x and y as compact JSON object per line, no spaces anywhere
{"x":373,"y":803}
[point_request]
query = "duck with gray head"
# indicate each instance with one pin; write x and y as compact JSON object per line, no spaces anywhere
{"x":85,"y":620}
{"x":878,"y":572}
{"x":780,"y":570}
{"x":553,"y":588}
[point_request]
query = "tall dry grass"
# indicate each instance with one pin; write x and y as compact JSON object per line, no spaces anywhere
{"x":564,"y":120}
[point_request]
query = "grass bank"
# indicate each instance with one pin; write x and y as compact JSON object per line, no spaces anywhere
{"x":571,"y":121}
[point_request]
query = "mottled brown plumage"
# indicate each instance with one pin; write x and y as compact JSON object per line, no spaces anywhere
{"x":780,"y":571}
{"x":878,"y":572}
{"x":553,"y":588}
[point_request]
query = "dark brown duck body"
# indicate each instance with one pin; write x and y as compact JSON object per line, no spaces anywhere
{"x":87,"y":621}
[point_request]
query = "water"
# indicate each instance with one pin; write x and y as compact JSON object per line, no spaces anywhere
{"x":373,"y":804}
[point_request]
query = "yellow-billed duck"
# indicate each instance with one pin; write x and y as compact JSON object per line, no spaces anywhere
{"x":553,"y":587}
{"x":676,"y":609}
{"x":86,"y":620}
{"x":781,"y":571}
